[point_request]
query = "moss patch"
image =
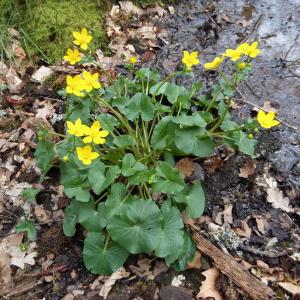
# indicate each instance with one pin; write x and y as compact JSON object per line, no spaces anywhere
{"x":48,"y":25}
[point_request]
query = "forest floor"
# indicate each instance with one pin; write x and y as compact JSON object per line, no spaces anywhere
{"x":252,"y":205}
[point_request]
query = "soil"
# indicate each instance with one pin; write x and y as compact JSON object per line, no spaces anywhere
{"x":210,"y":27}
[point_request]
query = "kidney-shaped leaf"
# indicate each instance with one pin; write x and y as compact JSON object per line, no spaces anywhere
{"x":137,"y":229}
{"x":171,"y":235}
{"x":100,"y":258}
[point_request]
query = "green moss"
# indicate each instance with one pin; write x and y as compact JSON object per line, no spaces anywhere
{"x":48,"y":25}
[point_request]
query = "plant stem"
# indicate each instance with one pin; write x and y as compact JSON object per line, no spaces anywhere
{"x":220,"y":121}
{"x":55,"y":133}
{"x":106,"y":241}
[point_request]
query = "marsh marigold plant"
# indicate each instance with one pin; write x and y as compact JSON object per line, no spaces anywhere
{"x":121,"y":145}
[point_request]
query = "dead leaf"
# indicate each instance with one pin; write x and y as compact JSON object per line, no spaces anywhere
{"x":275,"y":196}
{"x":42,"y":215}
{"x":41,"y":74}
{"x":248,"y":168}
{"x":268,"y":107}
{"x":208,"y":287}
{"x":260,"y":223}
{"x":143,"y":268}
{"x":196,"y":262}
{"x":186,"y":167}
{"x":45,"y":112}
{"x":14,"y":83}
{"x":130,"y":9}
{"x":5,"y":270}
{"x":244,"y":229}
{"x":290,"y":287}
{"x":226,"y":214}
{"x":213,"y":163}
{"x":109,"y":283}
{"x":247,"y":12}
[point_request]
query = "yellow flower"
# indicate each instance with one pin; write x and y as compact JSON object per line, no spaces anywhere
{"x":75,"y":85}
{"x":94,"y":134}
{"x":86,"y":155}
{"x":90,"y":81}
{"x":233,"y":54}
{"x":133,"y":60}
{"x":213,"y":65}
{"x":77,"y":128}
{"x":267,"y":120}
{"x":241,"y":65}
{"x":190,"y":59}
{"x":82,"y":38}
{"x":249,"y":50}
{"x":73,"y":56}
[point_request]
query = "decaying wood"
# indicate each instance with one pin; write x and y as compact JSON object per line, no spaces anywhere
{"x":228,"y":266}
{"x":18,"y":289}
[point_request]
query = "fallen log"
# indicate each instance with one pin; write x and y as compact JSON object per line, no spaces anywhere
{"x":228,"y":266}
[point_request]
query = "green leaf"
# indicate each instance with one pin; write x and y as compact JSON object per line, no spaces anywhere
{"x":247,"y":146}
{"x":114,"y":201}
{"x":29,"y":194}
{"x":195,"y":201}
{"x":130,"y":166}
{"x":44,"y":153}
{"x":28,"y":227}
{"x":96,"y":176}
{"x":70,"y":219}
{"x":140,"y":176}
{"x":140,"y":104}
{"x":101,"y":259}
{"x":171,"y":235}
{"x":172,"y":182}
{"x":107,"y":121}
{"x":186,"y":254}
{"x":163,"y":133}
{"x":193,"y":120}
{"x":137,"y":229}
{"x":194,"y":141}
{"x":145,"y":73}
{"x":110,"y":176}
{"x":78,"y":193}
{"x":173,"y":91}
{"x":227,"y":88}
{"x":124,"y":141}
{"x":90,"y":218}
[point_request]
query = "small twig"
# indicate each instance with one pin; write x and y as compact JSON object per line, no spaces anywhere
{"x":50,"y":271}
{"x":259,"y":107}
{"x":263,"y":252}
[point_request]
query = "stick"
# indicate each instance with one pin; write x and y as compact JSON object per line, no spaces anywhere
{"x":18,"y":289}
{"x":228,"y":266}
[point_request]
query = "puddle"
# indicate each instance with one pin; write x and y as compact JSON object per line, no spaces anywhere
{"x":211,"y":27}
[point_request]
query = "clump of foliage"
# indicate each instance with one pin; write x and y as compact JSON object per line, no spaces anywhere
{"x":120,"y":148}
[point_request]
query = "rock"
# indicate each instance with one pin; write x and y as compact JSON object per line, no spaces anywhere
{"x":174,"y":293}
{"x":42,"y":74}
{"x":286,"y":158}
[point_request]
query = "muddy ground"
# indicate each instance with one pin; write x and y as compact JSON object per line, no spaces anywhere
{"x":209,"y":27}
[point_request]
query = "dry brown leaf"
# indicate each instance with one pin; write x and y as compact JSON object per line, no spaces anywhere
{"x":275,"y":196}
{"x":42,"y":215}
{"x":213,"y":163}
{"x":45,"y":112}
{"x":248,"y":169}
{"x":290,"y":287}
{"x":14,"y":83}
{"x":41,"y":74}
{"x":244,"y":229}
{"x":109,"y":283}
{"x":130,"y":9}
{"x":196,"y":262}
{"x":260,"y":223}
{"x":268,"y":107}
{"x":5,"y":270}
{"x":186,"y":167}
{"x":226,"y":214}
{"x":208,"y":287}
